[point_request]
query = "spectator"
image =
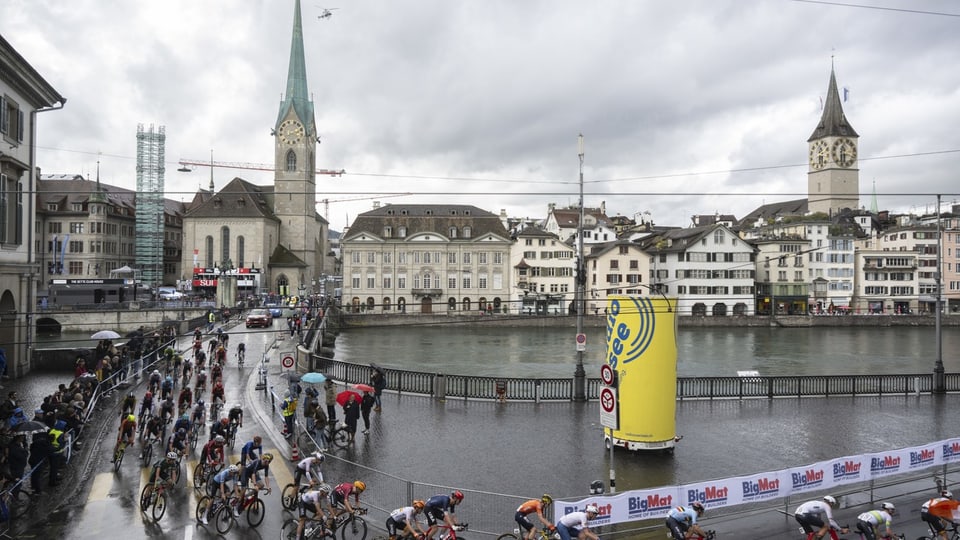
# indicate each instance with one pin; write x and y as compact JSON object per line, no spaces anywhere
{"x":3,"y":364}
{"x":330,"y":396}
{"x":378,"y":381}
{"x":351,"y":413}
{"x":366,"y":404}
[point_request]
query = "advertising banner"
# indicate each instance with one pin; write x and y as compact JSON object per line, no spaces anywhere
{"x":810,"y":477}
{"x":850,"y":469}
{"x":642,"y":349}
{"x":950,"y":451}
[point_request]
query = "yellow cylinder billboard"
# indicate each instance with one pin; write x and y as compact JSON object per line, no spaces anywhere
{"x":642,"y":350}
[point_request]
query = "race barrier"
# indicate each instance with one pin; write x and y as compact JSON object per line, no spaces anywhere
{"x":654,"y":503}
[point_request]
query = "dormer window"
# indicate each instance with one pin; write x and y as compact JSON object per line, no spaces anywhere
{"x":77,"y":207}
{"x":453,"y":232}
{"x":217,"y":203}
{"x":402,"y":232}
{"x":467,"y":232}
{"x":387,"y":231}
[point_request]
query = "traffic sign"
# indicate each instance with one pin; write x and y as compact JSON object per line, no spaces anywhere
{"x":607,"y":375}
{"x":608,"y":408}
{"x":581,"y":342}
{"x":287,"y":361}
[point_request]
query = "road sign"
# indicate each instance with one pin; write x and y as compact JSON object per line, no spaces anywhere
{"x":607,"y":376}
{"x":609,"y":416}
{"x":581,"y":342}
{"x":287,"y":361}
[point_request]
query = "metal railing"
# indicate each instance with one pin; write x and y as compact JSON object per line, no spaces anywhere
{"x":447,"y":386}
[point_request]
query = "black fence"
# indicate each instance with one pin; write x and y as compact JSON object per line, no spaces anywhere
{"x":447,"y":386}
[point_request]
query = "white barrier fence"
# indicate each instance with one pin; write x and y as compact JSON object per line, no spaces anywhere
{"x":654,"y":503}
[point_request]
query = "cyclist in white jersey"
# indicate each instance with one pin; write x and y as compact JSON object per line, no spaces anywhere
{"x":869,"y":522}
{"x":404,"y":519}
{"x":816,"y":518}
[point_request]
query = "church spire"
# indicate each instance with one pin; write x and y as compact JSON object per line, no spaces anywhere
{"x":833,"y":123}
{"x":297,"y":95}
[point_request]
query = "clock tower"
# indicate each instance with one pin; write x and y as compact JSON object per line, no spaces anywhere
{"x":833,"y":177}
{"x":298,"y":257}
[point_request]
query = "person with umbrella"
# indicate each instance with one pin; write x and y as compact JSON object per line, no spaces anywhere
{"x":378,"y":380}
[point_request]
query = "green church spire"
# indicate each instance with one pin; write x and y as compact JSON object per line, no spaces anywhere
{"x":297,"y":96}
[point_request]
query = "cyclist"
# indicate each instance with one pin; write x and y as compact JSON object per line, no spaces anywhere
{"x":869,"y":522}
{"x":235,"y":416}
{"x":187,"y":372}
{"x":163,"y":469}
{"x":128,"y":426}
{"x":937,"y":511}
{"x":155,"y":379}
{"x":402,"y":520}
{"x":197,"y":333}
{"x":146,"y":406}
{"x":309,"y":467}
{"x":178,"y":442}
{"x":197,"y":344}
{"x":220,"y":428}
{"x":252,"y":450}
{"x":533,"y":506}
{"x":212,"y":346}
{"x":166,"y":409}
{"x":129,"y":405}
{"x":166,"y":387}
{"x":219,"y":485}
{"x":201,"y":359}
{"x":185,"y":401}
{"x":199,"y":414}
{"x":183,"y":422}
{"x":216,"y":372}
{"x":575,"y":524}
{"x":201,"y":385}
{"x":212,"y":452}
{"x":816,"y":518}
{"x":216,"y":395}
{"x":310,"y":502}
{"x":151,"y":432}
{"x":241,"y":352}
{"x":339,"y":500}
{"x":252,"y":470}
{"x":220,"y":355}
{"x":682,"y":521}
{"x":442,"y":508}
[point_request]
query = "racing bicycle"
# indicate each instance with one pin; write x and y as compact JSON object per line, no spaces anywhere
{"x":154,"y":498}
{"x":250,"y":503}
{"x":313,"y":529}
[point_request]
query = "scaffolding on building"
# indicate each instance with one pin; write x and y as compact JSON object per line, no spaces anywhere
{"x":149,"y":203}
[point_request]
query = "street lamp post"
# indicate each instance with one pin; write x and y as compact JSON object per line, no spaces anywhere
{"x":939,"y":378}
{"x":579,"y":375}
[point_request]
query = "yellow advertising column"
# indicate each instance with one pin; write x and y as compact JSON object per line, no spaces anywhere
{"x":642,"y":350}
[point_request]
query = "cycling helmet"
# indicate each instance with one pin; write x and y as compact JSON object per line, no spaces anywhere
{"x":698,"y":507}
{"x":200,"y":402}
{"x":546,"y":499}
{"x":131,"y":418}
{"x":233,"y":469}
{"x":219,"y":439}
{"x":148,"y":395}
{"x":169,"y":379}
{"x":946,"y":494}
{"x":171,"y":455}
{"x":889,"y":508}
{"x":237,"y":406}
{"x":418,"y":504}
{"x":224,"y":421}
{"x":181,"y":432}
{"x":591,"y":509}
{"x":457,"y":495}
{"x":156,"y":372}
{"x":830,"y":500}
{"x":267,"y":457}
{"x":130,"y":395}
{"x":359,"y":486}
{"x":319,"y":456}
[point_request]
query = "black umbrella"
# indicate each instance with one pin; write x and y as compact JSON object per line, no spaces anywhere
{"x":29,"y":427}
{"x":377,"y":368}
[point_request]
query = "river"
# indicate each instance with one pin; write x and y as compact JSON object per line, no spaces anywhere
{"x":551,"y":352}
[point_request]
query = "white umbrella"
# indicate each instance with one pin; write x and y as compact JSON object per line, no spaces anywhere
{"x":105,"y":334}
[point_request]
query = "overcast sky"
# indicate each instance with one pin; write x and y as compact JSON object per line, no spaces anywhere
{"x":686,"y":107}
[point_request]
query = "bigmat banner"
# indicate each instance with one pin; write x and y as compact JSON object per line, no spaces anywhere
{"x":654,"y":503}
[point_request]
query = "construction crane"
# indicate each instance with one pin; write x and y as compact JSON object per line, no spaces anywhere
{"x":187,"y":165}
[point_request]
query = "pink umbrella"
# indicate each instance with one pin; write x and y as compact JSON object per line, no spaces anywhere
{"x":362,"y":387}
{"x":342,"y":397}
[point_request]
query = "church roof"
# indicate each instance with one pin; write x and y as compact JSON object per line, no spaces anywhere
{"x":297,"y":95}
{"x":833,"y":123}
{"x":282,"y":256}
{"x":238,"y":199}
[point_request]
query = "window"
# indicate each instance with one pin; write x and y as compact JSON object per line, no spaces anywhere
{"x":466,"y":258}
{"x":452,"y":257}
{"x":465,"y":283}
{"x":453,"y":232}
{"x":291,"y":161}
{"x":451,"y":281}
{"x":614,"y":264}
{"x":402,"y":232}
{"x":371,"y":281}
{"x":208,"y":249}
{"x":482,"y":281}
{"x":241,"y":251}
{"x":54,"y":227}
{"x":386,"y":257}
{"x":482,"y":257}
{"x":497,"y":257}
{"x":467,"y":232}
{"x":371,"y":257}
{"x":387,"y":281}
{"x":11,"y":210}
{"x":76,"y":228}
{"x":76,"y":246}
{"x":11,"y":119}
{"x":402,"y":281}
{"x":387,"y":231}
{"x":76,"y":267}
{"x":355,"y":257}
{"x":224,"y":244}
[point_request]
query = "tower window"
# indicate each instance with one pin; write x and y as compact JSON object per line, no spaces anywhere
{"x":291,"y":161}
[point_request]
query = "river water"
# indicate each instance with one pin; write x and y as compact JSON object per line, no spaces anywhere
{"x":551,"y":352}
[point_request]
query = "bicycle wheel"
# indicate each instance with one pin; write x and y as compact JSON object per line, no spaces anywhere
{"x":159,"y":506}
{"x":289,"y":497}
{"x":199,"y":476}
{"x":341,"y":437}
{"x":289,"y":530}
{"x":145,"y":497}
{"x":118,"y":459}
{"x":507,"y":536}
{"x":255,"y":513}
{"x":177,"y":475}
{"x":202,"y":505}
{"x":193,"y":440}
{"x":147,"y":455}
{"x":224,"y":519}
{"x":355,"y":528}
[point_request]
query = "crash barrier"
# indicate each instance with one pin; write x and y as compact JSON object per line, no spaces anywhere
{"x":654,"y":503}
{"x":450,"y":386}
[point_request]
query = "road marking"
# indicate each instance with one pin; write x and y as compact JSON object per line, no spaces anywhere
{"x":102,"y":484}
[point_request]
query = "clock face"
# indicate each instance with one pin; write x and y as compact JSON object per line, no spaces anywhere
{"x":290,"y":132}
{"x":844,"y":152}
{"x":819,"y":155}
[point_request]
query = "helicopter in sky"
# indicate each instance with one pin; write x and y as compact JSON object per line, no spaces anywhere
{"x":326,"y":13}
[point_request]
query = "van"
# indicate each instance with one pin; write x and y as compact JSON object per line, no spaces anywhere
{"x":169,"y":293}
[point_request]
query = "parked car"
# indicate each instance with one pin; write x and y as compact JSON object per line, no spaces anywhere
{"x":259,"y":318}
{"x":275,"y":310}
{"x":169,"y":293}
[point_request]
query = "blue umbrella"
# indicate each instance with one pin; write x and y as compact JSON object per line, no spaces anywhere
{"x":313,"y":378}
